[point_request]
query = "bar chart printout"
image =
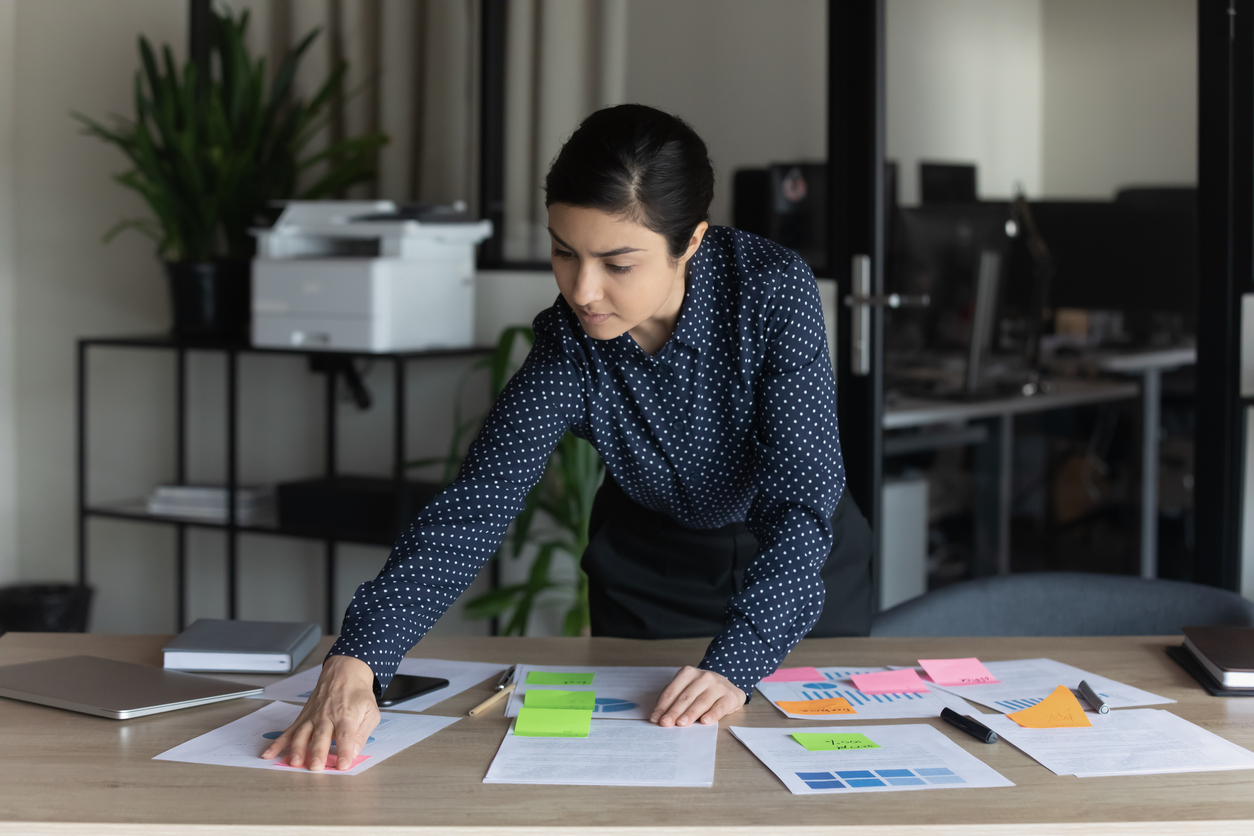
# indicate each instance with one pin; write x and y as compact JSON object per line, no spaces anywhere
{"x":1025,"y":682}
{"x":836,"y":683}
{"x":906,"y":757}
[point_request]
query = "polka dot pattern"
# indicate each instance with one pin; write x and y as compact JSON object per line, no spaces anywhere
{"x":733,"y":419}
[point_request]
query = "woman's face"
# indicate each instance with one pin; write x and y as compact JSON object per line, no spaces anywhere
{"x":617,"y":275}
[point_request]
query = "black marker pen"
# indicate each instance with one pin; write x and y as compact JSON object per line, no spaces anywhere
{"x":974,"y":728}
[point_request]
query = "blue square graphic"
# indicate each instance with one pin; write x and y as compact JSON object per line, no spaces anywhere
{"x":905,"y":782}
{"x":946,"y":779}
{"x":933,"y":771}
{"x":815,"y":776}
{"x":855,"y":773}
{"x":866,"y":782}
{"x":825,"y":785}
{"x":894,"y":773}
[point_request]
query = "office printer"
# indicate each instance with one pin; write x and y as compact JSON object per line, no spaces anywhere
{"x":365,"y":276}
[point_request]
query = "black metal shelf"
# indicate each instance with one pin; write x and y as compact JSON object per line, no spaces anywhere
{"x":232,"y":350}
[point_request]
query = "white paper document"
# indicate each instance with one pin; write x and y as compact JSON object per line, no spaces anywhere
{"x":460,"y":676}
{"x":623,"y":693}
{"x":241,"y":742}
{"x":1142,"y":741}
{"x":631,"y":754}
{"x":836,"y":683}
{"x":906,"y":757}
{"x":1023,"y":683}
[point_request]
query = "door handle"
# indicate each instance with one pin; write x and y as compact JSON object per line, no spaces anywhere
{"x":892,"y":300}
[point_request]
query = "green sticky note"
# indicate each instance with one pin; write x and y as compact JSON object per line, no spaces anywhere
{"x":553,"y":722}
{"x":816,"y":742}
{"x":558,"y":678}
{"x":585,"y":700}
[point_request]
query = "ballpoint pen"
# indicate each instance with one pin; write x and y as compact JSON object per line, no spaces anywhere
{"x":974,"y":728}
{"x":507,"y":677}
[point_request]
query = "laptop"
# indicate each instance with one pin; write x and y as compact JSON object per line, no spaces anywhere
{"x":117,"y":690}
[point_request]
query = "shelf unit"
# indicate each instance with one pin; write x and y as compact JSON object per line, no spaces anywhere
{"x":136,"y":511}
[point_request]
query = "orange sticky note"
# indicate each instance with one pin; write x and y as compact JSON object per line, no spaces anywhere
{"x":1060,"y":710}
{"x":832,"y":705}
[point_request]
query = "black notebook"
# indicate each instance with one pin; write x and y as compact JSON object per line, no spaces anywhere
{"x":216,"y":644}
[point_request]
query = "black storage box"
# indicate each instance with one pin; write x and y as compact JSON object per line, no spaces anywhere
{"x":362,"y":508}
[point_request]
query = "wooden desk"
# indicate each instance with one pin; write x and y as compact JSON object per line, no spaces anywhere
{"x":61,"y":767}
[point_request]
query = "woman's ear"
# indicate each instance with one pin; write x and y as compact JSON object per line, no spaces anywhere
{"x":698,"y":235}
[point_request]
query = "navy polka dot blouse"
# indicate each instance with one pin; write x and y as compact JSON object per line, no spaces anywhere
{"x":733,"y":419}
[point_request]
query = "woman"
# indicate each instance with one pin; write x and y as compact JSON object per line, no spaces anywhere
{"x":695,"y":360}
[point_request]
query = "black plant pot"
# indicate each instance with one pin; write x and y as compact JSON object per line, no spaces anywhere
{"x":211,"y":298}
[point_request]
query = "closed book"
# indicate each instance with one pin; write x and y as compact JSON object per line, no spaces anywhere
{"x":1227,"y":653}
{"x":216,"y":644}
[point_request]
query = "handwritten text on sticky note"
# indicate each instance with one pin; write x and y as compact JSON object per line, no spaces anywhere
{"x":1060,"y":710}
{"x":559,"y":678}
{"x":818,"y":742}
{"x":796,"y":675}
{"x":904,"y":681}
{"x":958,"y":671}
{"x":585,"y":700}
{"x":832,"y":705}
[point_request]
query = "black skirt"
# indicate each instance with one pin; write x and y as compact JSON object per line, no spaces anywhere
{"x":649,"y":577}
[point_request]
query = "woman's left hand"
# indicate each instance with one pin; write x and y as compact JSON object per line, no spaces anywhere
{"x":695,"y":694}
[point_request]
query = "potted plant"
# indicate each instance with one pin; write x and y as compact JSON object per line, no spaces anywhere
{"x":211,"y":152}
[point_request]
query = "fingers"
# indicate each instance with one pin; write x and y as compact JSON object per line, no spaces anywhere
{"x":320,"y":746}
{"x":280,"y":743}
{"x":726,"y":704}
{"x":298,"y":742}
{"x":667,"y":698}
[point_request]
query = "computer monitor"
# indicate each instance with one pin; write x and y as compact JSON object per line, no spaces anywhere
{"x":937,"y":250}
{"x":1137,"y":254}
{"x":947,"y":183}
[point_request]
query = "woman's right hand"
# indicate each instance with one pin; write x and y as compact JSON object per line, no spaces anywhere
{"x":341,"y":708}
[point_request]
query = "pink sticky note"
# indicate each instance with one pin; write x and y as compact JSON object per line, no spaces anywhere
{"x":889,"y":682}
{"x":331,"y":761}
{"x":796,"y":675}
{"x":957,"y":671}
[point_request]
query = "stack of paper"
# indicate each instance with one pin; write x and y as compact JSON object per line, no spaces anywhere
{"x":621,"y":693}
{"x":1022,"y":683}
{"x":1137,"y":742}
{"x":845,"y":759}
{"x":460,"y":676}
{"x":831,"y":693}
{"x":614,"y":754}
{"x":241,"y":742}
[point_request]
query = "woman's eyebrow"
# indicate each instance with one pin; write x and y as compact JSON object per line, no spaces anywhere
{"x":607,"y":254}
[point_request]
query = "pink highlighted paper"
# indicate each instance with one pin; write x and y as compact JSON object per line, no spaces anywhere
{"x":958,"y":672}
{"x":890,"y":682}
{"x":796,"y":675}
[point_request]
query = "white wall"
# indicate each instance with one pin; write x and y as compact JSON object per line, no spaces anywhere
{"x":750,"y":77}
{"x":1120,"y":103}
{"x":63,"y":55}
{"x":963,"y":84}
{"x":8,"y":474}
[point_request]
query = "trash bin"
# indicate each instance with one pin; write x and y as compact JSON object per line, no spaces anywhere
{"x":44,"y":608}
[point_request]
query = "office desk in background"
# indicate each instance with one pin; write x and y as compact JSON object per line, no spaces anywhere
{"x":68,"y":773}
{"x":993,"y":504}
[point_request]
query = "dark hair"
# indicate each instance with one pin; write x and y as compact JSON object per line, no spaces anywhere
{"x":639,"y":162}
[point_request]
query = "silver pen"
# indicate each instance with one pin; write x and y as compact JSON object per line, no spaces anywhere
{"x":1091,"y":697}
{"x":506,"y":678}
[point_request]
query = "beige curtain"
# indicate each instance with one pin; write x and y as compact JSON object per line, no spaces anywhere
{"x":565,"y":59}
{"x":413,"y":73}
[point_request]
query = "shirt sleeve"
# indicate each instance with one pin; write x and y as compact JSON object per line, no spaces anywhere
{"x":462,"y":527}
{"x":799,"y":477}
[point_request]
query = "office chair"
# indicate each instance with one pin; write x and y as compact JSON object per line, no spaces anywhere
{"x":1064,"y":604}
